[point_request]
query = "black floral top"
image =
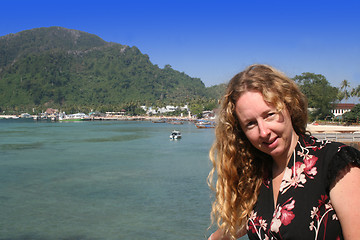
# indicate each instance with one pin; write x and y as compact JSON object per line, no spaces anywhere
{"x":303,"y":209}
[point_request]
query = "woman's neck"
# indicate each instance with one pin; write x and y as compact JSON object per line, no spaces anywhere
{"x":281,"y":162}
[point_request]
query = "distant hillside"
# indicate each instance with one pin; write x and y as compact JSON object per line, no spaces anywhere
{"x":216,"y":91}
{"x":61,"y":67}
{"x":40,"y":40}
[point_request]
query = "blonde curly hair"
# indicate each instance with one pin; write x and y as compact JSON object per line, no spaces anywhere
{"x":240,"y":167}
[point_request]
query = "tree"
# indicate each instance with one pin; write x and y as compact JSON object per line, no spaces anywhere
{"x":353,"y":115}
{"x":344,"y":94}
{"x":210,"y":105}
{"x":355,"y":92}
{"x":320,"y":94}
{"x":197,"y":109}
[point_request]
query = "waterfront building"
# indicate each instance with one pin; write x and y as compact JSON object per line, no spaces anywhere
{"x":341,"y":108}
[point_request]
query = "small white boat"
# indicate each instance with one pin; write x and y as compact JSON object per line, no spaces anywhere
{"x":75,"y":117}
{"x":205,"y":125}
{"x":175,"y":135}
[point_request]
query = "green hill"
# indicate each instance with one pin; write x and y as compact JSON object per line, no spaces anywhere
{"x":58,"y":67}
{"x":216,"y":91}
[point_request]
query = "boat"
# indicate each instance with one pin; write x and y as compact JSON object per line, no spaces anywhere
{"x":205,"y":125}
{"x":54,"y":118}
{"x":175,"y":135}
{"x":9,"y":117}
{"x":75,"y":117}
{"x":159,"y":121}
{"x":176,"y":122}
{"x":25,"y":115}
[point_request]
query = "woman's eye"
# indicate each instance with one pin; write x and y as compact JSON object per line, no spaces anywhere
{"x":271,"y":115}
{"x":251,"y":124}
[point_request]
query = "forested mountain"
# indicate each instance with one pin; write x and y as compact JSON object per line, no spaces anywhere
{"x":59,"y":67}
{"x":216,"y":91}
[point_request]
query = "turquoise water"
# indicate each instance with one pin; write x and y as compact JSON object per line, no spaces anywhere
{"x":103,"y":180}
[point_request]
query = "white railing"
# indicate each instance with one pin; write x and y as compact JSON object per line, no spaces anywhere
{"x":338,"y":137}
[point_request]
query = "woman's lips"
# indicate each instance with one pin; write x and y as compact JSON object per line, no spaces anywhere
{"x":272,"y":143}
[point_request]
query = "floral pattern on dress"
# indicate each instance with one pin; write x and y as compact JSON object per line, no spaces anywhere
{"x":283,"y":215}
{"x":258,"y":224}
{"x":296,"y":175}
{"x":319,"y":217}
{"x":302,"y":170}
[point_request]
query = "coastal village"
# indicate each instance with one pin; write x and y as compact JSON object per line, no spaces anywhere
{"x":155,"y":115}
{"x":331,"y":130}
{"x":150,"y":113}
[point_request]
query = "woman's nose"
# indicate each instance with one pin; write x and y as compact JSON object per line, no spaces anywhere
{"x":263,"y":129}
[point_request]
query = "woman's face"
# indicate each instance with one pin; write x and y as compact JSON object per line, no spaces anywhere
{"x":267,"y":129}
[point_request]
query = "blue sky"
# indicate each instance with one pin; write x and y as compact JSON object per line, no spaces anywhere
{"x":213,"y":40}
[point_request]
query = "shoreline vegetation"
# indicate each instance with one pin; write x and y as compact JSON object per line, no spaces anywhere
{"x":311,"y":127}
{"x":325,"y":131}
{"x":118,"y":118}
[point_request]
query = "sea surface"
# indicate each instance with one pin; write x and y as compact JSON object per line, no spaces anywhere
{"x":103,"y":180}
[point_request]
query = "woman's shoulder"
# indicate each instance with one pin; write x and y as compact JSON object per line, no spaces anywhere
{"x":320,"y":146}
{"x":309,"y":141}
{"x":333,"y":157}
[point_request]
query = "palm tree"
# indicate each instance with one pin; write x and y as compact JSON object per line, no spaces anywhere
{"x":355,"y":92}
{"x":344,"y":85}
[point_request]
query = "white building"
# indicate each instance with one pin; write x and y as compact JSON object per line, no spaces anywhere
{"x":168,"y":108}
{"x":341,"y":108}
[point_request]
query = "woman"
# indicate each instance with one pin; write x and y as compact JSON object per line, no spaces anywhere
{"x":275,"y":181}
